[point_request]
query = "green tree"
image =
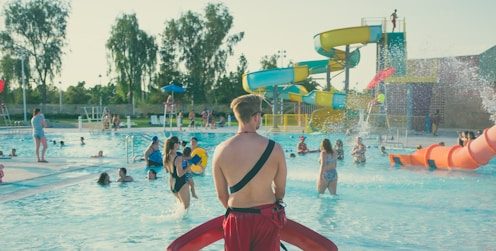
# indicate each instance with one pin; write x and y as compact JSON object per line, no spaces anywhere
{"x":269,"y":62}
{"x":36,"y":29}
{"x":229,"y":86}
{"x":77,"y":94}
{"x":134,"y":55}
{"x":201,"y":44}
{"x":309,"y":84}
{"x":9,"y":73}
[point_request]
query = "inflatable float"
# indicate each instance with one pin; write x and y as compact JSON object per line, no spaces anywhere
{"x":202,"y":153}
{"x":476,"y":153}
{"x":211,"y":231}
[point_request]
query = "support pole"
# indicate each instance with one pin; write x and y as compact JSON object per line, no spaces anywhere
{"x":409,"y":106}
{"x":274,"y":108}
{"x":328,"y":78}
{"x":347,"y":70}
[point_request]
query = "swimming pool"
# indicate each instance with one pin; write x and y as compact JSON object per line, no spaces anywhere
{"x":377,"y":207}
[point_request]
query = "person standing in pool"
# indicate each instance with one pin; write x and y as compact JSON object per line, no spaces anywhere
{"x":173,"y":164}
{"x":250,"y":180}
{"x":38,"y":123}
{"x":152,"y":155}
{"x":302,"y":148}
{"x":358,"y":151}
{"x":328,"y":176}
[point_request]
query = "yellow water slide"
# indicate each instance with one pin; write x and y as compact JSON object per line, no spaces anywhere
{"x":325,"y":43}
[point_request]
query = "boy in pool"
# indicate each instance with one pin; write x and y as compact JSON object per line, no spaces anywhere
{"x":99,"y":155}
{"x":152,"y":175}
{"x":383,"y":150}
{"x":13,"y":153}
{"x":189,"y":175}
{"x":123,"y":177}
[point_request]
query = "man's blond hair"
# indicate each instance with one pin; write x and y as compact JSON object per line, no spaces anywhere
{"x":244,"y":107}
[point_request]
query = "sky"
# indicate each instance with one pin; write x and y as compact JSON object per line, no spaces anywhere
{"x":440,"y":28}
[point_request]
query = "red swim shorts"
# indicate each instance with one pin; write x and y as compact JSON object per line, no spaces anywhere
{"x":251,"y":231}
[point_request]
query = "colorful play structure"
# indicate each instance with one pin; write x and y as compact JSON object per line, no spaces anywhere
{"x":475,"y":154}
{"x":282,"y":82}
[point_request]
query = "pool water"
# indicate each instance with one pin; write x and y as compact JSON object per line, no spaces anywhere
{"x":377,"y":207}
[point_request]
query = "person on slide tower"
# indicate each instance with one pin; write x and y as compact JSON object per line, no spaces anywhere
{"x":394,"y":16}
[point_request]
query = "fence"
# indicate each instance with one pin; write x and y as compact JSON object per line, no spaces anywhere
{"x":286,"y":122}
{"x":120,"y":109}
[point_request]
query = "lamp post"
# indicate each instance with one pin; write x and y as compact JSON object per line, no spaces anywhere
{"x":280,"y":54}
{"x":24,"y":88}
{"x":100,"y":83}
{"x":60,"y":96}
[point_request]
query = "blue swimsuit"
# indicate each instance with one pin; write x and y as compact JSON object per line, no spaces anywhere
{"x":330,"y":175}
{"x":155,"y":158}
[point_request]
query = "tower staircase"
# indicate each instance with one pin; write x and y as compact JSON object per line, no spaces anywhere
{"x":4,"y":113}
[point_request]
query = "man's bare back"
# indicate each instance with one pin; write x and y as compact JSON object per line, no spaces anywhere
{"x":237,"y":156}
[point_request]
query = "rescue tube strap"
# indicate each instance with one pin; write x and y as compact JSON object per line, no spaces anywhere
{"x":255,"y":168}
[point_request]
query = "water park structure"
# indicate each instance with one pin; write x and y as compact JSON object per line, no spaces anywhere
{"x":331,"y":103}
{"x":417,"y":88}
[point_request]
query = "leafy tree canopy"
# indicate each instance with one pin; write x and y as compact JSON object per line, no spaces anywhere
{"x":195,"y":48}
{"x":36,"y":30}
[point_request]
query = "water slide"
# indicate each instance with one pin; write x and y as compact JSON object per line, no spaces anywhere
{"x":477,"y":153}
{"x":325,"y":44}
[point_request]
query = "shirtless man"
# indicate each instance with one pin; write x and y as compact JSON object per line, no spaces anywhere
{"x":251,"y":223}
{"x":123,"y":177}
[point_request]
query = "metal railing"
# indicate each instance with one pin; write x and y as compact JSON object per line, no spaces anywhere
{"x":130,"y":154}
{"x":386,"y":22}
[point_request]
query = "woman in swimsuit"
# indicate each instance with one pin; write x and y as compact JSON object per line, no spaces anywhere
{"x":172,"y":163}
{"x":328,"y":177}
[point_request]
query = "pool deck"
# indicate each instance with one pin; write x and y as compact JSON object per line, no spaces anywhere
{"x":21,"y":168}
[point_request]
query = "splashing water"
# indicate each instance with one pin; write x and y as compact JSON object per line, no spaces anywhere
{"x":467,"y":79}
{"x":488,"y":96}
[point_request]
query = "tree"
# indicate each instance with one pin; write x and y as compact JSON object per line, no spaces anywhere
{"x":229,"y":86}
{"x":134,"y":54}
{"x":309,"y":84}
{"x":269,"y":62}
{"x":36,"y":29}
{"x":200,"y":45}
{"x":77,"y":94}
{"x":10,"y":74}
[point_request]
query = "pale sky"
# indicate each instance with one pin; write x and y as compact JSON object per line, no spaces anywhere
{"x":437,"y":28}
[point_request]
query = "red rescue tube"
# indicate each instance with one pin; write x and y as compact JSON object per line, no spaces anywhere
{"x":211,"y":231}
